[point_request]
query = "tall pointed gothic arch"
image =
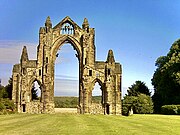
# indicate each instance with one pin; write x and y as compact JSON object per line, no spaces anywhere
{"x":108,"y":73}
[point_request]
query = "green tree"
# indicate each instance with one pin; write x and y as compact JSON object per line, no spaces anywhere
{"x":3,"y":93}
{"x":138,"y":88}
{"x":144,"y":104}
{"x":34,"y":92}
{"x":141,"y":104}
{"x":128,"y":103}
{"x":6,"y":92}
{"x":9,"y":88}
{"x":166,"y":79}
{"x":1,"y":87}
{"x":138,"y":99}
{"x":6,"y":104}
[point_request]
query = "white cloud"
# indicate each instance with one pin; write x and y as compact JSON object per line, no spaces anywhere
{"x":124,"y":91}
{"x":65,"y":54}
{"x":66,"y":77}
{"x":62,"y":59}
{"x":10,"y":51}
{"x":66,"y":87}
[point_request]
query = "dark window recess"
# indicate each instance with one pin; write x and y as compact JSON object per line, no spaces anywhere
{"x":90,"y":72}
{"x":87,"y":30}
{"x":46,"y":59}
{"x":85,"y":60}
{"x":24,"y":107}
{"x":107,"y":109}
{"x":39,"y":72}
{"x":46,"y":68}
{"x":109,"y":71}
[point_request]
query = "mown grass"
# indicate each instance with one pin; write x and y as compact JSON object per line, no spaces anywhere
{"x":74,"y":124}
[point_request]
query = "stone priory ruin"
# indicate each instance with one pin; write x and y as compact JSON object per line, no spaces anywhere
{"x":107,"y":74}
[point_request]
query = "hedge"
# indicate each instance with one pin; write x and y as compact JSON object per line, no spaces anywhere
{"x":170,"y":109}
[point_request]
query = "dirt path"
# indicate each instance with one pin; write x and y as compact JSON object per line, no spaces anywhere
{"x":65,"y":110}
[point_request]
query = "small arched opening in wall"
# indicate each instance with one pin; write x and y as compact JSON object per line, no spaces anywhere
{"x":32,"y":99}
{"x":36,"y":92}
{"x":97,"y":97}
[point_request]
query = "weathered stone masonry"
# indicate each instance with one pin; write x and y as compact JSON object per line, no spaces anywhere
{"x":107,"y":74}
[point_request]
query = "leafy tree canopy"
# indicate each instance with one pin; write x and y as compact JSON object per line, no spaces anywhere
{"x":138,"y":99}
{"x":34,"y":92}
{"x":6,"y":104}
{"x":6,"y":92}
{"x":141,"y":104}
{"x":166,"y":79}
{"x":138,"y":88}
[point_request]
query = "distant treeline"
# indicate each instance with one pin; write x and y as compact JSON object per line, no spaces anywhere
{"x":71,"y":102}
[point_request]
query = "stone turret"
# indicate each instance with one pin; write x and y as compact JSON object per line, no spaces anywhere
{"x":41,"y":30}
{"x":48,"y":23}
{"x":85,"y":24}
{"x":24,"y":55}
{"x":110,"y":57}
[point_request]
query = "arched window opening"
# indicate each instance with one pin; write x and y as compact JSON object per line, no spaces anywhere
{"x":97,"y":94}
{"x":97,"y":103}
{"x":36,"y":91}
{"x":66,"y":87}
{"x":67,"y":28}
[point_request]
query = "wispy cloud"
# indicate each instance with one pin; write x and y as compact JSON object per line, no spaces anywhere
{"x":66,"y":87}
{"x":10,"y":51}
{"x":62,"y":59}
{"x":66,"y":77}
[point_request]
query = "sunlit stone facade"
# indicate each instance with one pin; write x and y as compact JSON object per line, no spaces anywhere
{"x":106,"y":73}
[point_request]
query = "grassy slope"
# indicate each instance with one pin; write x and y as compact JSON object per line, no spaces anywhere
{"x":54,"y":124}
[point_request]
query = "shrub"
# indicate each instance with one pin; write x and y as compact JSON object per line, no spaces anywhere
{"x":141,"y":104}
{"x":144,"y":104}
{"x":6,"y":106}
{"x":128,"y":102}
{"x":170,"y":109}
{"x":2,"y":106}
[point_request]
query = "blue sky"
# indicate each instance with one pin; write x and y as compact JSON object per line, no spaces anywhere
{"x":138,"y":31}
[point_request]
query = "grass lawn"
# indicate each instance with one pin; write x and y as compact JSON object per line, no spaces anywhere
{"x":74,"y":124}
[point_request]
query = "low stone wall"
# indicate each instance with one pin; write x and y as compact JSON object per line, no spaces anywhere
{"x":34,"y":107}
{"x":96,"y":108}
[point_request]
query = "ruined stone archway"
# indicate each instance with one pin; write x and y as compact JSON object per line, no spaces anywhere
{"x":56,"y":46}
{"x":108,"y":73}
{"x":97,"y":107}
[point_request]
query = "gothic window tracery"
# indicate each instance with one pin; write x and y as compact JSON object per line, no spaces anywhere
{"x":67,"y":28}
